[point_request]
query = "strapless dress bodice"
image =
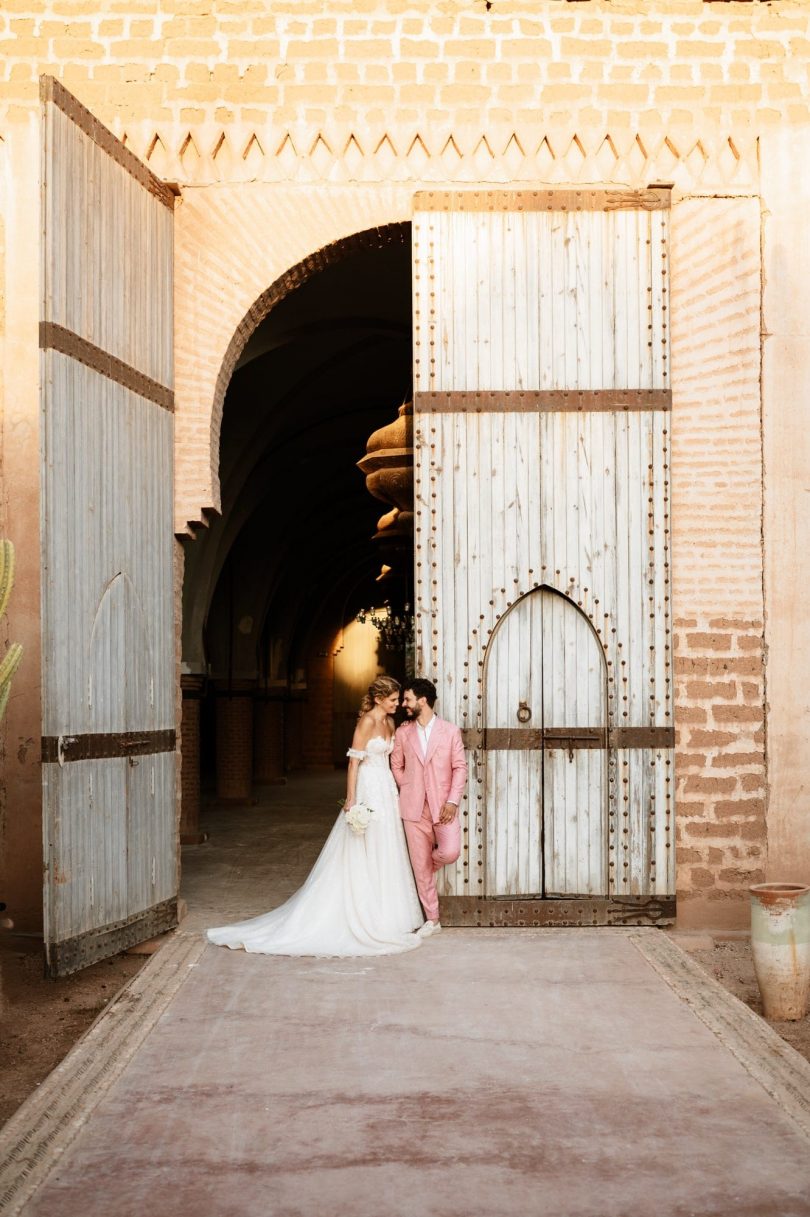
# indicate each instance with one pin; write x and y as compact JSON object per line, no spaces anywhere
{"x":377,"y":751}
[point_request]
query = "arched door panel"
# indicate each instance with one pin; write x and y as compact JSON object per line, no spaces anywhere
{"x":514,"y":769}
{"x":574,"y":752}
{"x":545,"y":740}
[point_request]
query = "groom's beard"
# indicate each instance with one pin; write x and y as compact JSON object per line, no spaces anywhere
{"x":411,"y":714}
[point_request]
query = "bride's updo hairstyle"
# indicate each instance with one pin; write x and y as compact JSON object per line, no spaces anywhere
{"x":381,"y":688}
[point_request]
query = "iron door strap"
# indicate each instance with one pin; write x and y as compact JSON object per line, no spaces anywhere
{"x":107,"y":745}
{"x":502,"y":739}
{"x":520,"y":739}
{"x":495,"y":739}
{"x":575,"y":737}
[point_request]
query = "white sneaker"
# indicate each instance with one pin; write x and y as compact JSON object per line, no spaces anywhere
{"x":430,"y":927}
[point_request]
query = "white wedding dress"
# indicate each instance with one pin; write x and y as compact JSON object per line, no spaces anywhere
{"x":360,"y":896}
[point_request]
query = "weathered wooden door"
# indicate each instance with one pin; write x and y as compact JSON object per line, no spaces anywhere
{"x":541,"y":431}
{"x":108,"y":662}
{"x":545,"y":710}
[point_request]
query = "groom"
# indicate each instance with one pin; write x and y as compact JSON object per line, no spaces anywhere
{"x":430,"y":768}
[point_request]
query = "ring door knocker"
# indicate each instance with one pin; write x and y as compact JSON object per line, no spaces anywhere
{"x":524,"y":712}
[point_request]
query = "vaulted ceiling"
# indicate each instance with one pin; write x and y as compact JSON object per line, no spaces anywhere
{"x":291,"y":551}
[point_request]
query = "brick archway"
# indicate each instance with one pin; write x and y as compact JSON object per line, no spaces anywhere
{"x":373,"y":238}
{"x":231,"y":242}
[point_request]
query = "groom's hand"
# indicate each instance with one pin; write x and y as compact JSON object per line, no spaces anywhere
{"x":448,"y":813}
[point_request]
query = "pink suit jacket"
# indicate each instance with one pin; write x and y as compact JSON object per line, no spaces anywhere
{"x":438,"y":778}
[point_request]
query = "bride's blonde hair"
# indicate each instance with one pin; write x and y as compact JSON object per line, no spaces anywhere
{"x":378,"y":690}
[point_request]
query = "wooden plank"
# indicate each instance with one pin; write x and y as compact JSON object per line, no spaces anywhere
{"x":659,"y":298}
{"x":638,"y":854}
{"x":513,"y":777}
{"x":107,"y":500}
{"x":655,"y":199}
{"x":491,"y":401}
{"x":634,"y":662}
{"x":625,"y":592}
{"x":575,"y":810}
{"x":578,"y":910}
{"x":102,"y":217}
{"x":457,"y":526}
{"x":107,"y":455}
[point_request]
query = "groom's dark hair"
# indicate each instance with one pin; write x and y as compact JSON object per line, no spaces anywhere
{"x":423,"y":688}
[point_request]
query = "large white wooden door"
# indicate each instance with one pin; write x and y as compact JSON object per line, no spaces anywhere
{"x":541,"y":435}
{"x":546,"y":739}
{"x":108,"y":718}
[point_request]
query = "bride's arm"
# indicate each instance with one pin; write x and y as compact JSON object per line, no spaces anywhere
{"x":362,"y":734}
{"x":398,"y":758}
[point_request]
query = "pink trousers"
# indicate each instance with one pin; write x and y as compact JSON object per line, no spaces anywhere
{"x":431,"y":847}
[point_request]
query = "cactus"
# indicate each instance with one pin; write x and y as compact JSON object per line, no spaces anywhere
{"x":11,"y":660}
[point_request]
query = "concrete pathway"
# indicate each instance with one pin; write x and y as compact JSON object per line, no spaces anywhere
{"x":580,"y":1073}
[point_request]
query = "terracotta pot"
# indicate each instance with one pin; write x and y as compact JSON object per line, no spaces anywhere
{"x":780,"y":945}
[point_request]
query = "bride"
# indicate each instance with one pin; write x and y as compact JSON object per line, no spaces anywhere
{"x":360,"y":896}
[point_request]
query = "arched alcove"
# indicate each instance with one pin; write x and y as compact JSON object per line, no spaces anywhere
{"x":545,"y":710}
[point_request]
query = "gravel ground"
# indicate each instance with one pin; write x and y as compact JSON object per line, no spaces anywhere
{"x":41,"y":1020}
{"x":731,"y":964}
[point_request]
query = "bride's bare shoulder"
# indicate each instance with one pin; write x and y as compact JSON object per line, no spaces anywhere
{"x":364,"y":728}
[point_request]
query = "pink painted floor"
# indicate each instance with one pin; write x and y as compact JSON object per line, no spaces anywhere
{"x":500,"y":1073}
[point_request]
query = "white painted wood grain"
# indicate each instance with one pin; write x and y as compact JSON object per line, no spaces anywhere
{"x":551,"y":300}
{"x":106,"y":534}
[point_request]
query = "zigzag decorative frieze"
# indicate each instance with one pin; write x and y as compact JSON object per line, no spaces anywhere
{"x":691,"y":160}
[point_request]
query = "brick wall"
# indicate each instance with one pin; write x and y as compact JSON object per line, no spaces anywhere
{"x":234,"y":745}
{"x":370,"y":62}
{"x":717,"y":556}
{"x":189,"y":762}
{"x":721,"y":838}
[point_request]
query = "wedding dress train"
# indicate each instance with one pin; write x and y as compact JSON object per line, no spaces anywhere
{"x":360,"y":896}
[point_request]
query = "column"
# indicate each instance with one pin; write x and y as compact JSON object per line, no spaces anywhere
{"x":190,"y":834}
{"x":268,"y":741}
{"x":234,"y":742}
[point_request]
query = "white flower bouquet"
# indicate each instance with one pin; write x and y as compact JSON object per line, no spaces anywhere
{"x":358,"y":817}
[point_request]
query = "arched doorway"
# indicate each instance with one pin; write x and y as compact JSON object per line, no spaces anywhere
{"x":273,"y":586}
{"x":545,"y":710}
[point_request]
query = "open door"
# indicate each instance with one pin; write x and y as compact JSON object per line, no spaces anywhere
{"x":108,"y":653}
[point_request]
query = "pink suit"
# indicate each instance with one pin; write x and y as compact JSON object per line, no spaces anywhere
{"x":426,"y":783}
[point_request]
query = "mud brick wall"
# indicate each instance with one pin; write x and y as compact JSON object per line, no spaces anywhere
{"x":721,"y":830}
{"x":717,"y":543}
{"x":397,"y":63}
